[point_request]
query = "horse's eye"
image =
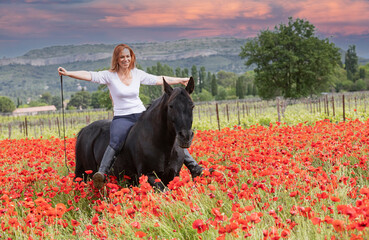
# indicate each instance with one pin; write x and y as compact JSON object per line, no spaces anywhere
{"x":171,"y":106}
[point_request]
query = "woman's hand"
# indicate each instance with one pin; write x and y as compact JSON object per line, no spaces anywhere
{"x":62,"y":71}
{"x":172,"y":80}
{"x":184,"y":81}
{"x":81,"y":75}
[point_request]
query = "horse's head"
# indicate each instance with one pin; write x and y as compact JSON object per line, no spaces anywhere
{"x":179,"y":114}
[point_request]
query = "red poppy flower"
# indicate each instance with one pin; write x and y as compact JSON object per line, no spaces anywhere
{"x":200,"y":226}
{"x":338,"y":225}
{"x":140,"y":234}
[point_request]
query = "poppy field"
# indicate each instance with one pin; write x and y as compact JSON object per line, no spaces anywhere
{"x":303,"y":181}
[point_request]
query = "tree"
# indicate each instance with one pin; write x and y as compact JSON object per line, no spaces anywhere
{"x":103,"y":96}
{"x":185,"y":72}
{"x":195,"y":77}
{"x":351,"y":62}
{"x":362,"y":73}
{"x":6,"y":105}
{"x":56,"y":101}
{"x":80,"y":100}
{"x":214,"y":85}
{"x":95,"y":99}
{"x":227,"y":79}
{"x":202,"y":77}
{"x":207,"y":84}
{"x":178,"y":72}
{"x":240,"y":89}
{"x":222,"y":94}
{"x":290,"y":61}
{"x":46,"y":98}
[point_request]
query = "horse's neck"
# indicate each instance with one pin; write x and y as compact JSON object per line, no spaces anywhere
{"x":156,"y":116}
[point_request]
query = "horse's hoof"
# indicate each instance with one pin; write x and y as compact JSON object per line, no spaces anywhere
{"x":99,"y":180}
{"x":196,"y":171}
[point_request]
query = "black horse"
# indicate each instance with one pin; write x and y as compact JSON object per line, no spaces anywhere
{"x":154,"y":145}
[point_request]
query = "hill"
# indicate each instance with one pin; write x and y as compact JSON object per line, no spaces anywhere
{"x":34,"y":73}
{"x":28,"y":76}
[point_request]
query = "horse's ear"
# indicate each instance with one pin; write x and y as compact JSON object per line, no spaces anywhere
{"x":167,"y":88}
{"x":190,"y":85}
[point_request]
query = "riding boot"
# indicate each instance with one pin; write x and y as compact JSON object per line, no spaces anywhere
{"x":192,"y":165}
{"x":106,"y":163}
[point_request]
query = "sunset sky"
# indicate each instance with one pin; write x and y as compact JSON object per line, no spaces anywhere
{"x":31,"y":24}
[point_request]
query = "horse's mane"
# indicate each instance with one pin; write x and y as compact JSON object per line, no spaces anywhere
{"x":163,"y":98}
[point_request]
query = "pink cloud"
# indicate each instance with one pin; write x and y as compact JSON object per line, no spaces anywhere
{"x":199,"y":18}
{"x":179,"y":13}
{"x":27,"y":21}
{"x":329,"y":16}
{"x":344,"y":17}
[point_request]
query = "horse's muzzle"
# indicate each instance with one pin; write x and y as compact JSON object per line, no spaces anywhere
{"x":184,"y":138}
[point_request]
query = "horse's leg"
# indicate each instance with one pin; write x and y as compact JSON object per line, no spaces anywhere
{"x":156,"y":185}
{"x":78,"y":172}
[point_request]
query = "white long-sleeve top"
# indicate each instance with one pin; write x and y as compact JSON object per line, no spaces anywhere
{"x":125,"y":98}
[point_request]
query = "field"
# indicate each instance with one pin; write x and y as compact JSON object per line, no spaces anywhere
{"x":296,"y":180}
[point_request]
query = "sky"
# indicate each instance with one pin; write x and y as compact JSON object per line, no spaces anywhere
{"x":34,"y":24}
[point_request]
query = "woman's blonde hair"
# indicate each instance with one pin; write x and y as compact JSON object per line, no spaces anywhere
{"x":116,"y":55}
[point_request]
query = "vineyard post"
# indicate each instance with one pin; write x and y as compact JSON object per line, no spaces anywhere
{"x":216,"y":108}
{"x":327,"y":103}
{"x":349,"y":103}
{"x":210,"y":113}
{"x":227,"y":112}
{"x":26,"y":126}
{"x":41,"y":125}
{"x":238,"y":113}
{"x":199,"y":114}
{"x":364,"y":103}
{"x":278,"y":111}
{"x":334,"y":114}
{"x":320,"y":109}
{"x":57,"y":123}
{"x":356,"y":105}
{"x":10,"y":130}
{"x":343,"y":108}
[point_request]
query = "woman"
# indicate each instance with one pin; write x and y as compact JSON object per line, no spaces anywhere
{"x":123,"y":80}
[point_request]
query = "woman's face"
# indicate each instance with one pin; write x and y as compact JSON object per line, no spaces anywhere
{"x":125,"y":59}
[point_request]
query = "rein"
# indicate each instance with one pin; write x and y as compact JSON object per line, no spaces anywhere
{"x":62,"y":106}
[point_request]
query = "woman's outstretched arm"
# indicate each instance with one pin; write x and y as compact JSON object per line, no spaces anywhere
{"x":172,"y":80}
{"x":81,"y":75}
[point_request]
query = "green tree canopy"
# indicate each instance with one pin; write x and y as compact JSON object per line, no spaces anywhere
{"x":46,"y":98}
{"x":214,"y":85}
{"x":240,"y":87}
{"x":291,"y":61}
{"x":56,"y":101}
{"x":81,"y":100}
{"x":351,"y":62}
{"x":6,"y":105}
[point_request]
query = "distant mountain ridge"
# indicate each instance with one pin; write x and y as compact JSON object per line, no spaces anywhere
{"x":154,"y":51}
{"x":28,"y":76}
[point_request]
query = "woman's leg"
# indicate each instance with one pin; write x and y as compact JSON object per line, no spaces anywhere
{"x":119,"y":129}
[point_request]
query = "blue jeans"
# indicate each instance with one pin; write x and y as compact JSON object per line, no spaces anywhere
{"x":119,"y":129}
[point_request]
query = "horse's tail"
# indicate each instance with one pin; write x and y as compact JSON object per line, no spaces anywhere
{"x":85,"y":157}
